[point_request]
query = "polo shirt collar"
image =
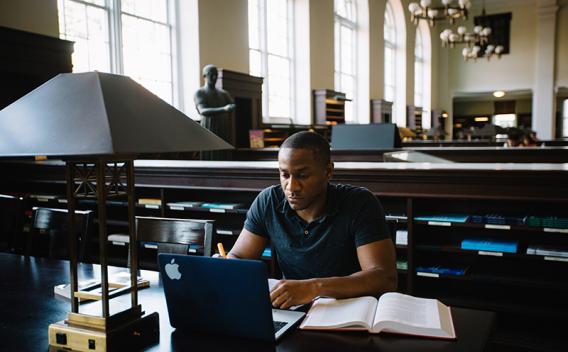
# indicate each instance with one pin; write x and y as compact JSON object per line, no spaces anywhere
{"x":331,"y":204}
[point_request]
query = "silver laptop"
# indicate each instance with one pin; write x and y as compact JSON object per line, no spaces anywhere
{"x":222,"y":296}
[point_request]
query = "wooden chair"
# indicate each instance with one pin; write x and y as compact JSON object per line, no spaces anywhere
{"x":11,"y":221}
{"x":49,"y":233}
{"x":168,"y":235}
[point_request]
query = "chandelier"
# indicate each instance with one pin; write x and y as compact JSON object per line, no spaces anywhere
{"x":450,"y":38}
{"x":447,"y":11}
{"x":475,"y":52}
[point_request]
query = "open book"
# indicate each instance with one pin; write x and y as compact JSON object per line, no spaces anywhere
{"x":393,"y":312}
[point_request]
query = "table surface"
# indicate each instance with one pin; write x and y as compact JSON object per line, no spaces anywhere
{"x":29,"y":306}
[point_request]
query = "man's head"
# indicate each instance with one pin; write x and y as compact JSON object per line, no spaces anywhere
{"x":305,"y":169}
{"x":210,"y":74}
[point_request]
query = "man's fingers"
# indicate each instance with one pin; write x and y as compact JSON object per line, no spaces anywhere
{"x":278,"y":298}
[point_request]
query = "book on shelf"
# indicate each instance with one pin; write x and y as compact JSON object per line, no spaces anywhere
{"x":393,"y":312}
{"x":548,"y":221}
{"x":401,"y":237}
{"x":267,"y":252}
{"x":228,"y":232}
{"x":489,"y":245}
{"x":548,"y":251}
{"x":222,"y":205}
{"x":256,"y":138}
{"x":497,"y":219}
{"x":460,"y":218}
{"x":391,"y":216}
{"x":93,"y":286}
{"x":185,"y":204}
{"x":150,"y":201}
{"x":441,"y":270}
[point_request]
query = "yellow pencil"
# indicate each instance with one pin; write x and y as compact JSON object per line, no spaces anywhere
{"x":221,"y":250}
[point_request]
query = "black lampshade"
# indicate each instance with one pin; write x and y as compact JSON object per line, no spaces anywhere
{"x":95,"y":113}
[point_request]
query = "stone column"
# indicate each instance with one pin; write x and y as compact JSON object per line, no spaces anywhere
{"x":543,"y":97}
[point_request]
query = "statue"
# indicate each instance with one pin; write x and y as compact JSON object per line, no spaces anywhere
{"x":214,"y":105}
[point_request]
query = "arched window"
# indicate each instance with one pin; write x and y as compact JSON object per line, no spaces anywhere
{"x":133,"y":38}
{"x":395,"y":60}
{"x":422,"y":72}
{"x":270,"y":55}
{"x":345,"y":53}
{"x":390,"y":48}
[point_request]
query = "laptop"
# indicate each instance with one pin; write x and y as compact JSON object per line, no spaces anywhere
{"x":222,"y":296}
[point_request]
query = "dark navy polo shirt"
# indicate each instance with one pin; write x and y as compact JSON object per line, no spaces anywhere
{"x":327,"y":246}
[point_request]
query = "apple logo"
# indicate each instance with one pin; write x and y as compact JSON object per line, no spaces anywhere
{"x":172,"y":270}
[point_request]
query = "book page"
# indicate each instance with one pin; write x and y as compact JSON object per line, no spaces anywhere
{"x":408,"y":310}
{"x":332,"y":313}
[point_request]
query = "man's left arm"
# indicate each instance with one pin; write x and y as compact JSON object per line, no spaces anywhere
{"x":378,"y":275}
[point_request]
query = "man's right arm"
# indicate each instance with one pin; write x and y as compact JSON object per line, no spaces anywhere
{"x":248,"y":246}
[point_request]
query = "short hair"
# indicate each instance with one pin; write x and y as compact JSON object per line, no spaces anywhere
{"x":515,"y":136}
{"x":312,"y":141}
{"x":208,"y":68}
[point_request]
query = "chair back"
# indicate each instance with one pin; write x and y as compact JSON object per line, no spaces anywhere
{"x":49,"y":235}
{"x":11,"y":222}
{"x":170,"y":235}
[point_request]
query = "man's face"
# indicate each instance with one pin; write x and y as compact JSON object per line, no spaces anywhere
{"x":211,"y":76}
{"x":303,"y":178}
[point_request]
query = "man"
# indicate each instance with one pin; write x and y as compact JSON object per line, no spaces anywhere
{"x":331,"y":240}
{"x":214,"y":106}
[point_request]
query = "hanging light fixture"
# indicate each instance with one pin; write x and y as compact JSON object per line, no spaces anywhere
{"x":475,"y":52}
{"x":478,"y":44}
{"x":480,"y":35}
{"x":449,"y":10}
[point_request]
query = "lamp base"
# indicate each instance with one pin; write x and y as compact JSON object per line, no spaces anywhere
{"x":132,"y":335}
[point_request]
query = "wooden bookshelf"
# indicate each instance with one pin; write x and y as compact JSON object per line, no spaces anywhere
{"x":329,"y":107}
{"x":511,"y":284}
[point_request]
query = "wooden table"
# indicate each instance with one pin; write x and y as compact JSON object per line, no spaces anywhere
{"x":29,"y":306}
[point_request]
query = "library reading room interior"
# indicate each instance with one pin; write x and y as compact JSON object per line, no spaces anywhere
{"x":133,"y":130}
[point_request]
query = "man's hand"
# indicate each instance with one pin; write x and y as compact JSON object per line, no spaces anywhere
{"x":289,"y":293}
{"x":229,"y":107}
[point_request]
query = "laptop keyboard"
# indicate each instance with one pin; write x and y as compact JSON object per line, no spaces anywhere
{"x":279,"y":325}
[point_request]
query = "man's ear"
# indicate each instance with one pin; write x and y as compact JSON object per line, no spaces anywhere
{"x":329,"y":170}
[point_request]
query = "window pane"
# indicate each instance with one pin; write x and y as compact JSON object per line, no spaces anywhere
{"x":337,"y":47}
{"x":347,"y":87}
{"x":147,"y":55}
{"x":254,"y":24}
{"x":344,"y":8}
{"x":346,"y":50}
{"x":390,"y":46}
{"x":389,"y":31}
{"x":255,"y":63}
{"x":87,"y":26}
{"x":277,"y":27}
{"x":279,"y":86}
{"x":156,"y":10}
{"x":565,"y":119}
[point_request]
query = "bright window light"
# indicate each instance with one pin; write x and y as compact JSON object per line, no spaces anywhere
{"x":505,"y":120}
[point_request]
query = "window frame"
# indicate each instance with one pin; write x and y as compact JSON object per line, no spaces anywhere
{"x":262,"y":50}
{"x":114,"y":26}
{"x":350,"y":24}
{"x":391,"y":46}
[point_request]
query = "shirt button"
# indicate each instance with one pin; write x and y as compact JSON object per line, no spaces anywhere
{"x":306,"y":232}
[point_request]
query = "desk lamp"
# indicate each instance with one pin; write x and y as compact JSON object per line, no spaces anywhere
{"x":99,"y":123}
